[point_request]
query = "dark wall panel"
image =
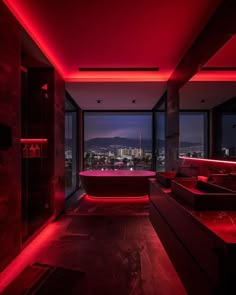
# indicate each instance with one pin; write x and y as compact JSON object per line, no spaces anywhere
{"x":58,"y":185}
{"x":10,"y":167}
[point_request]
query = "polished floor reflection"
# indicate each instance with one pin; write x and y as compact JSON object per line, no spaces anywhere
{"x":120,"y":254}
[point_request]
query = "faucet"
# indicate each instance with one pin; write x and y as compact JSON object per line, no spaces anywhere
{"x":193,"y":170}
{"x":218,"y":175}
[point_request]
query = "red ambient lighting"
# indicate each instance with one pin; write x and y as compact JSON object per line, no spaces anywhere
{"x":28,"y":255}
{"x":33,"y":140}
{"x":23,"y":16}
{"x":214,"y":76}
{"x":119,"y":200}
{"x":208,"y":160}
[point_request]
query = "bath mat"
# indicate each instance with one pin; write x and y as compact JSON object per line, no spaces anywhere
{"x":110,"y":206}
{"x":43,"y":279}
{"x":27,"y":279}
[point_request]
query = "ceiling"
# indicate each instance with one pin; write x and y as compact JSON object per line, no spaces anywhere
{"x":121,"y":34}
{"x":116,"y":96}
{"x":203,"y":95}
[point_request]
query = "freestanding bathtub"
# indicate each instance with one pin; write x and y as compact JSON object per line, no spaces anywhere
{"x":116,"y":183}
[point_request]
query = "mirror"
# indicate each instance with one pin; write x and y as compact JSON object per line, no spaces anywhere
{"x":213,"y":91}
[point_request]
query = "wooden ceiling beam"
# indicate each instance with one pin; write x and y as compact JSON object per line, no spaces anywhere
{"x":219,"y":29}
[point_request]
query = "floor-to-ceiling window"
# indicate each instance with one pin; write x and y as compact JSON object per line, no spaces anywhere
{"x":160,"y":141}
{"x":193,"y":134}
{"x":123,"y":140}
{"x":71,"y":147}
{"x":117,"y":140}
{"x":224,"y":130}
{"x":228,"y":135}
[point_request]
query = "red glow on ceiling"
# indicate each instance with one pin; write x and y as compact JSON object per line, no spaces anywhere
{"x":215,"y":76}
{"x":224,"y":58}
{"x":23,"y":16}
{"x":208,"y":160}
{"x":33,"y":140}
{"x":75,"y":34}
{"x":118,"y":200}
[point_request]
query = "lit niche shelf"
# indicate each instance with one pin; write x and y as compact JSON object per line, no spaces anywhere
{"x":34,"y":147}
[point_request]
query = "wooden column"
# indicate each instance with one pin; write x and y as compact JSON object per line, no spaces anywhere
{"x":58,"y":183}
{"x":80,"y":143}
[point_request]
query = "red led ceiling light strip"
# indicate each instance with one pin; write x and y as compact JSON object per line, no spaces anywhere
{"x":33,"y":140}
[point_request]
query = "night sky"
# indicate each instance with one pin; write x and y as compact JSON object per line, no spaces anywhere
{"x":130,"y":126}
{"x":121,"y":125}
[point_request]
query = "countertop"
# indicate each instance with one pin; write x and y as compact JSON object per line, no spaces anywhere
{"x":220,"y":223}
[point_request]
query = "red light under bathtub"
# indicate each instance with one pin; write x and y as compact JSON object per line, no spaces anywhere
{"x":208,"y":160}
{"x":120,"y":200}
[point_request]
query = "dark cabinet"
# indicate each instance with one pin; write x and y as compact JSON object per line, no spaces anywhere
{"x":204,"y":260}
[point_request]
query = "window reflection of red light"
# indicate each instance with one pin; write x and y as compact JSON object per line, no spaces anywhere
{"x":208,"y":160}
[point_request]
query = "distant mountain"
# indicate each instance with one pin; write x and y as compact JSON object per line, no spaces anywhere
{"x":106,"y":142}
{"x":146,"y":144}
{"x":187,"y":144}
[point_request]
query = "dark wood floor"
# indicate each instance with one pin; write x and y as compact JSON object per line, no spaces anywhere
{"x":120,"y":254}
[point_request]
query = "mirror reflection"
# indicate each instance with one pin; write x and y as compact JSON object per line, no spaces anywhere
{"x":212,"y":91}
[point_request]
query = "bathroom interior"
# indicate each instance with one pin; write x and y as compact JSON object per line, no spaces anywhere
{"x":100,"y":126}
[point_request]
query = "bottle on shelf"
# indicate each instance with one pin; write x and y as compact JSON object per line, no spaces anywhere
{"x":25,"y":151}
{"x":32,"y":151}
{"x":37,"y":151}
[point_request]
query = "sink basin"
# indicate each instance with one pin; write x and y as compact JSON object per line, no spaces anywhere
{"x":165,"y":178}
{"x":219,"y":178}
{"x":226,"y":180}
{"x":200,"y":195}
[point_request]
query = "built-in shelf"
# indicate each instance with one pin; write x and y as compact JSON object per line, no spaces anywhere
{"x":34,"y":147}
{"x":33,"y":140}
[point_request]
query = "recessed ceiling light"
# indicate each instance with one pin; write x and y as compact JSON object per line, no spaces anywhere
{"x":99,"y":101}
{"x":203,"y":101}
{"x":133,"y":101}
